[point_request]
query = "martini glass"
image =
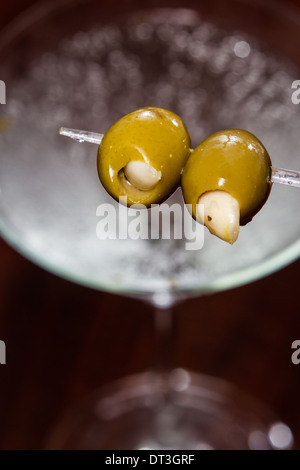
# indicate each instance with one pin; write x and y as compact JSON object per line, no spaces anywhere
{"x":83,"y":65}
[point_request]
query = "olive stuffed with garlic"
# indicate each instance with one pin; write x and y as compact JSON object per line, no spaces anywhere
{"x":141,"y":156}
{"x":226,"y":181}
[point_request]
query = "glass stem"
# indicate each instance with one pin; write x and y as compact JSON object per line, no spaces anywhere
{"x":164,"y":323}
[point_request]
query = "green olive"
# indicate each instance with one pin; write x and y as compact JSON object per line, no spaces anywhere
{"x":233,"y":161}
{"x":142,"y":156}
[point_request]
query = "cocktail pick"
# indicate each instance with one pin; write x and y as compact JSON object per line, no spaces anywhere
{"x":278,"y":175}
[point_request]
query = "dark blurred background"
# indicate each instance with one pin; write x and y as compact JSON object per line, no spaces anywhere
{"x":64,"y":340}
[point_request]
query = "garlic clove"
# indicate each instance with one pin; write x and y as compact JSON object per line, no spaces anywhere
{"x":142,"y":175}
{"x":219,"y":211}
